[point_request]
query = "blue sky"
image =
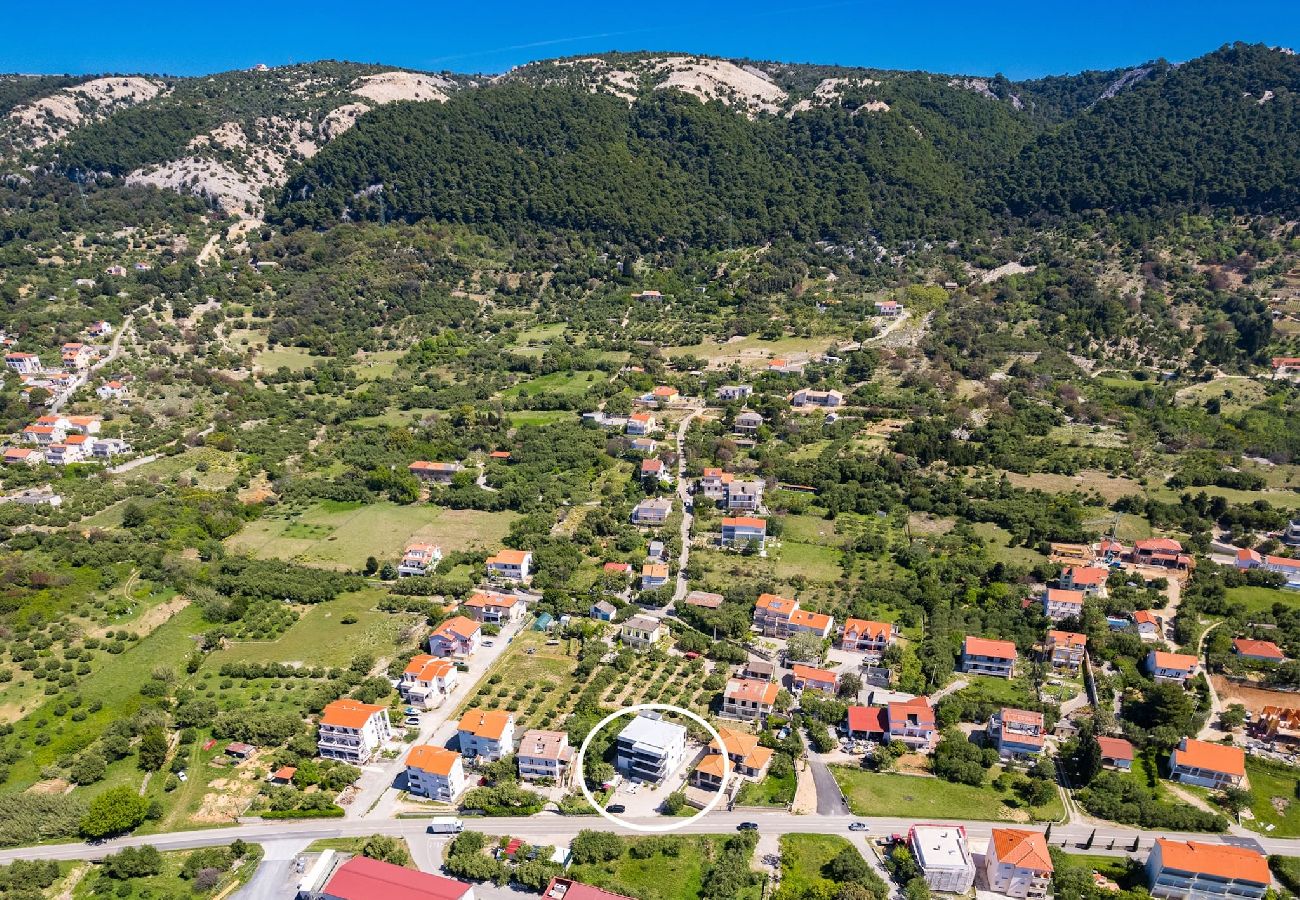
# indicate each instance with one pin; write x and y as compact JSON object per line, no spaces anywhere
{"x":1019,"y":39}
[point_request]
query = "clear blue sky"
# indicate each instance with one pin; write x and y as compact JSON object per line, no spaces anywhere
{"x":1020,"y":39}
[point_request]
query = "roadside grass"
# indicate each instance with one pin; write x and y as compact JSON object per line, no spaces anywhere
{"x":1274,"y":789}
{"x":659,"y":876}
{"x":803,"y":856}
{"x":168,"y":882}
{"x":342,"y":535}
{"x":320,"y":637}
{"x":919,"y":796}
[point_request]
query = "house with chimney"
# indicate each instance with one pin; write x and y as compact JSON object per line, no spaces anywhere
{"x":748,"y":759}
{"x":744,"y":496}
{"x":426,"y":680}
{"x":749,"y":699}
{"x":652,"y":511}
{"x":1017,"y":733}
{"x":1059,"y":603}
{"x":1088,"y":580}
{"x":419,"y":559}
{"x":544,"y":754}
{"x":435,"y":773}
{"x":811,"y":678}
{"x":1065,"y":650}
{"x":495,"y":608}
{"x":487,"y":734}
{"x":434,"y":472}
{"x":1017,"y":864}
{"x":1175,"y":667}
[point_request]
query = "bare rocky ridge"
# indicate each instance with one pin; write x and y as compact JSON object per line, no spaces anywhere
{"x":52,"y":118}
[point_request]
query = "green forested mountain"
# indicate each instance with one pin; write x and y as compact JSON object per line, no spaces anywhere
{"x":900,"y":156}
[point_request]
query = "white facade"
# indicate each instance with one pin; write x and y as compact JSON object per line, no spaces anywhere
{"x":944,"y":857}
{"x":650,"y":749}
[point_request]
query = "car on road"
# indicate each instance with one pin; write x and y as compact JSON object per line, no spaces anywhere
{"x":747,"y":826}
{"x":616,"y":808}
{"x":489,"y":643}
{"x":858,"y":826}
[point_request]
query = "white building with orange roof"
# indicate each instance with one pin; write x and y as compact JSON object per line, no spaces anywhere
{"x":744,"y":531}
{"x":1059,"y":603}
{"x":641,"y":423}
{"x":1147,"y":624}
{"x":426,"y":680}
{"x":1090,"y":580}
{"x":27,"y":456}
{"x":912,"y":722}
{"x":544,"y":754}
{"x":352,"y":731}
{"x":1207,"y":765}
{"x":1176,"y":667}
{"x":434,"y":472}
{"x":435,"y":773}
{"x":982,"y":656}
{"x":867,"y":637}
{"x":1194,"y":870}
{"x":511,"y":565}
{"x":100,"y":329}
{"x":76,"y":355}
{"x":653,"y":576}
{"x":811,"y":678}
{"x":495,"y":608}
{"x":457,"y":637}
{"x":748,"y":699}
{"x":23,"y":363}
{"x":664,"y":395}
{"x":74,"y":448}
{"x":805,"y":621}
{"x":111,"y":390}
{"x":1017,"y":733}
{"x":486,"y":733}
{"x":43,"y":435}
{"x":772,"y":614}
{"x":1065,"y":650}
{"x":1018,"y":864}
{"x":713,"y":483}
{"x":419,"y":559}
{"x":84,"y":424}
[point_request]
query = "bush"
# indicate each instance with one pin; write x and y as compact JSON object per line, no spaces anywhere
{"x":115,"y":811}
{"x":133,"y":862}
{"x":595,"y":847}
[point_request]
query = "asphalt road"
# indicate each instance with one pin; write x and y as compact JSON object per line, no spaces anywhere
{"x":551,"y":828}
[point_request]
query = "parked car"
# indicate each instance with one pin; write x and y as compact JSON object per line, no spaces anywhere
{"x":747,"y":826}
{"x":616,"y":808}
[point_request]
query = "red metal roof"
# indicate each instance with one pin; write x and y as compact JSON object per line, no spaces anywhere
{"x":361,"y":878}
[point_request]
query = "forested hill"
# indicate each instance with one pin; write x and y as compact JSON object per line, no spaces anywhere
{"x":903,"y":156}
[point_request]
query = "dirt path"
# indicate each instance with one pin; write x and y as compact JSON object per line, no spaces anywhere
{"x":69,"y":885}
{"x":149,"y":620}
{"x":805,"y":792}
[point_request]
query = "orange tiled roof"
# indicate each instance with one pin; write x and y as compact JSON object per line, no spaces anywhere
{"x":508,"y":558}
{"x":1022,"y":848}
{"x":1213,"y":757}
{"x":349,"y":713}
{"x":1067,"y":638}
{"x":457,"y":627}
{"x":486,"y":723}
{"x":1166,"y":660}
{"x":812,"y":673}
{"x":978,"y":646}
{"x":856,"y":629}
{"x":745,"y":522}
{"x":1218,"y":860}
{"x":808,"y":619}
{"x":438,"y":760}
{"x":751,"y":689}
{"x":773,"y":603}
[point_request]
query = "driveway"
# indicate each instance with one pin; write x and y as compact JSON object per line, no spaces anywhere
{"x":830,"y":801}
{"x":377,"y":797}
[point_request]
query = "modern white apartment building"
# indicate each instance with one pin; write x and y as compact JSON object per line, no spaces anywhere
{"x":435,"y":772}
{"x":351,"y":730}
{"x":650,"y":748}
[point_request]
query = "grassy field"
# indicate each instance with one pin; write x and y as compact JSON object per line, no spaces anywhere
{"x":880,"y":794}
{"x":116,"y":687}
{"x":1261,"y":599}
{"x":812,"y":561}
{"x":566,"y":384}
{"x":219,"y":468}
{"x":537,"y":416}
{"x":998,"y":539}
{"x":1273,"y":787}
{"x":293,"y":358}
{"x":320,"y":637}
{"x":1235,"y":393}
{"x":659,"y":877}
{"x":802,"y":858}
{"x":1101,"y":436}
{"x":341,"y":535}
{"x":1110,"y":487}
{"x":989,"y":689}
{"x":752,"y":351}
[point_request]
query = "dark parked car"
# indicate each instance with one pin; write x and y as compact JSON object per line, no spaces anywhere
{"x":616,"y":808}
{"x":747,"y":826}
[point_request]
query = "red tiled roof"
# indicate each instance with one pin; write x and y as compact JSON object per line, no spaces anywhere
{"x":1165,"y":660}
{"x":349,"y":713}
{"x":1115,"y":748}
{"x":745,"y":522}
{"x":576,"y":890}
{"x":871,"y":719}
{"x":362,"y":878}
{"x":1261,"y":649}
{"x":1085,"y":574}
{"x":438,"y":760}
